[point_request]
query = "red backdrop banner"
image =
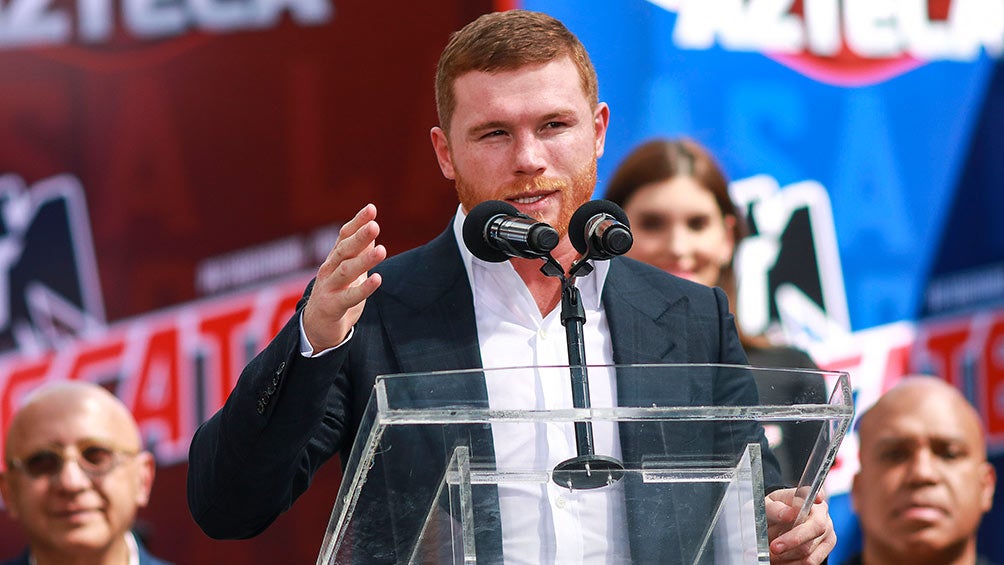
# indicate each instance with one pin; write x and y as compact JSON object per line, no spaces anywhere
{"x":170,"y":175}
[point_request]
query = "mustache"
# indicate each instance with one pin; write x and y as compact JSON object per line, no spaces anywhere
{"x":531,"y":185}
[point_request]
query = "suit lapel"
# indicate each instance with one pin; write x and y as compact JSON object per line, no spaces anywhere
{"x":432,"y":311}
{"x":645,"y":325}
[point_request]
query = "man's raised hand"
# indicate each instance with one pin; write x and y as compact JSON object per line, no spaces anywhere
{"x":342,"y":284}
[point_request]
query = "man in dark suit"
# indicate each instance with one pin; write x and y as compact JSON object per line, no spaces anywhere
{"x":76,"y":475}
{"x":520,"y":121}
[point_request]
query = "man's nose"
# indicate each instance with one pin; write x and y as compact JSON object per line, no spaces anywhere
{"x":530,"y":154}
{"x":72,"y":477}
{"x":924,"y":467}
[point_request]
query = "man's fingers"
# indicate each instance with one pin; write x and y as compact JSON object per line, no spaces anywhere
{"x":808,"y":542}
{"x":799,"y":541}
{"x":351,"y":246}
{"x":365,"y":215}
{"x":355,"y":235}
{"x":779,"y":511}
{"x":347,"y":271}
{"x":357,"y":293}
{"x":354,"y":254}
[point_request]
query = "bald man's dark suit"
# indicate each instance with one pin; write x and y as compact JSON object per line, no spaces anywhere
{"x":289,"y":414}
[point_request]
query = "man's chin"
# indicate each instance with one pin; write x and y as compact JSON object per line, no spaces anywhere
{"x":84,"y":538}
{"x":924,"y":538}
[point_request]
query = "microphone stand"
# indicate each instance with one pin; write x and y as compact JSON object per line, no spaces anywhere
{"x":587,"y":470}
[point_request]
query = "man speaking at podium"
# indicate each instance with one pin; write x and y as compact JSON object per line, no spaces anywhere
{"x":521,"y":122}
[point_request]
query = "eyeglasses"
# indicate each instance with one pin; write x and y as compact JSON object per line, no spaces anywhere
{"x":94,"y":459}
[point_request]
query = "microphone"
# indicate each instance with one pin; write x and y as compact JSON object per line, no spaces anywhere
{"x":495,"y":230}
{"x":599,"y":229}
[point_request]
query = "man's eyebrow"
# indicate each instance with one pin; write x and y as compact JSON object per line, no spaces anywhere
{"x":563,"y":113}
{"x":895,"y":440}
{"x":882,"y":441}
{"x":487,"y":126}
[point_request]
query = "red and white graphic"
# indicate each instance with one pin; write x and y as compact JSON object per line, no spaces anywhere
{"x":49,"y":287}
{"x":791,"y":282}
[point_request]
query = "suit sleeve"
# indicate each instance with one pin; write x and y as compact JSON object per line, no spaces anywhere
{"x":285,"y":417}
{"x":738,"y":388}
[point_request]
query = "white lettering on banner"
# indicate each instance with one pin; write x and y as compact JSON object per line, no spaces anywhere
{"x":873,"y":29}
{"x":251,"y":265}
{"x":31,"y":22}
{"x":37,"y":22}
{"x":981,"y":285}
{"x":870,"y":28}
{"x":95,"y":19}
{"x":822,"y":27}
{"x":266,"y":261}
{"x":149,"y":18}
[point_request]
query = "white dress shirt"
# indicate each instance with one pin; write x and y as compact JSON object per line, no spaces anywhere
{"x":543,"y":522}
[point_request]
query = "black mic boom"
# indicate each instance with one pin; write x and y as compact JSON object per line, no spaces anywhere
{"x":495,"y":230}
{"x":599,"y":229}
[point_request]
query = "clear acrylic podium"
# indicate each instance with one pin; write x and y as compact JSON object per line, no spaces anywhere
{"x":678,"y":472}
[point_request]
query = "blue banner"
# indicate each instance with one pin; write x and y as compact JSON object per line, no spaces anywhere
{"x":883,"y":125}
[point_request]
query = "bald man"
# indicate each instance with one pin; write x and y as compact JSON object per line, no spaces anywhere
{"x":75,"y":474}
{"x":924,"y":482}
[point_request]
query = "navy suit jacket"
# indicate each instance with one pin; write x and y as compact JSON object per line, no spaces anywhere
{"x":289,"y":414}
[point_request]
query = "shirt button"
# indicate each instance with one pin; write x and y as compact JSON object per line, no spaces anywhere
{"x":560,"y":502}
{"x":542,"y":333}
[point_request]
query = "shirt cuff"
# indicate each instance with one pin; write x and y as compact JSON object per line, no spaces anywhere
{"x":307,"y":350}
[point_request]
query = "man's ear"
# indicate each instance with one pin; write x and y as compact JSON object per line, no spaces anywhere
{"x":854,"y":492}
{"x":7,"y":494}
{"x":601,"y":118}
{"x":989,"y":480}
{"x":146,"y":468}
{"x":441,"y":145}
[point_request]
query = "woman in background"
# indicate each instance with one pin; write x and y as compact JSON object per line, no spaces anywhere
{"x":684,"y":222}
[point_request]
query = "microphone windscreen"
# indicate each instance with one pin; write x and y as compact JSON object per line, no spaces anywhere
{"x":474,"y":229}
{"x":577,"y":225}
